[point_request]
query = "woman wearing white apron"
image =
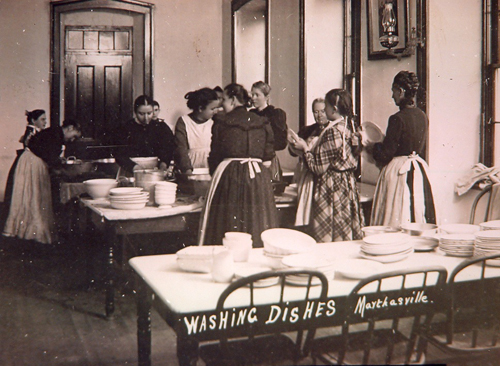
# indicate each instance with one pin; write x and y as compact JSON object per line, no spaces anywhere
{"x":240,"y":197}
{"x":193,"y":132}
{"x":403,"y":193}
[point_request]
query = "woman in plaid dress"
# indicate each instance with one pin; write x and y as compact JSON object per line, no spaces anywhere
{"x":336,"y":211}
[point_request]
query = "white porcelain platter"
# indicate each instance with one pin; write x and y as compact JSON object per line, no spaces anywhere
{"x":359,"y":268}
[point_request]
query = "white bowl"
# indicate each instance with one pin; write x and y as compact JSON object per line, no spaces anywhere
{"x":286,"y":241}
{"x":146,"y":162}
{"x":416,"y":229}
{"x":373,"y":230}
{"x":198,"y":258}
{"x":123,"y":191}
{"x":128,"y":205}
{"x":99,"y":188}
{"x":236,"y":235}
{"x":166,"y":185}
{"x":164,"y":200}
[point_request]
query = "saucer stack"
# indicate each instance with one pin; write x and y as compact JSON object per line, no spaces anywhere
{"x":308,"y":261}
{"x":128,"y":198}
{"x":387,"y":248}
{"x":487,"y":242}
{"x":165,"y":193}
{"x":457,"y":245}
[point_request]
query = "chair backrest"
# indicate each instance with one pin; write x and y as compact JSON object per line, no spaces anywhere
{"x":288,"y":301}
{"x":382,"y":300}
{"x":474,"y":303}
{"x":492,"y":210}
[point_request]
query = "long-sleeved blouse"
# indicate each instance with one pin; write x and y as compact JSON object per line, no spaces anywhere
{"x":241,"y":134}
{"x":153,"y":139}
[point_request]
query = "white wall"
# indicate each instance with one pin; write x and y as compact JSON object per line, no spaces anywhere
{"x":192,"y":49}
{"x":454,"y":42}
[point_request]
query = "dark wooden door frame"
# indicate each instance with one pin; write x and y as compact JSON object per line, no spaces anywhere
{"x":60,"y":7}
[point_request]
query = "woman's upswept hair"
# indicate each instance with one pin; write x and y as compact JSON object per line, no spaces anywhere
{"x":142,"y":100}
{"x":239,"y":92}
{"x":33,"y":115}
{"x":199,"y":99}
{"x":408,"y":82}
{"x":315,"y":101}
{"x":263,"y":87}
{"x":72,"y":123}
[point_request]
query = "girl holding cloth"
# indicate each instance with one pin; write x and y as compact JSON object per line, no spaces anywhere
{"x":240,"y":197}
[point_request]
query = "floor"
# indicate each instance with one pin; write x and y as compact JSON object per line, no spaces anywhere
{"x":52,"y":310}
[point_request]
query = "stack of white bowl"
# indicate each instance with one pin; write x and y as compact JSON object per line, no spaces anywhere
{"x":280,"y":242}
{"x":165,"y":193}
{"x":487,"y":242}
{"x":387,"y":248}
{"x":311,"y":262}
{"x":128,"y":198}
{"x":240,"y":244}
{"x":457,"y":245}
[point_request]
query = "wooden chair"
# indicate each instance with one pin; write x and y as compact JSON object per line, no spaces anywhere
{"x":265,"y":343}
{"x":480,"y":195}
{"x":382,"y":315}
{"x":471,"y":327}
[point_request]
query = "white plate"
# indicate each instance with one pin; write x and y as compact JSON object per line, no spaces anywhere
{"x":359,"y":268}
{"x":459,"y":228}
{"x":388,"y":258}
{"x":248,"y":270}
{"x":300,"y":281}
{"x":372,"y":132}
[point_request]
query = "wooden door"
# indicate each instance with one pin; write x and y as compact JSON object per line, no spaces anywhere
{"x":98,"y":79}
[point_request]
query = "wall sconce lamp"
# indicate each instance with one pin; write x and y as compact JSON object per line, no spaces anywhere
{"x":411,"y":46}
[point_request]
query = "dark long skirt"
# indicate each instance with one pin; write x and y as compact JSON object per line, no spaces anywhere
{"x":242,"y":204}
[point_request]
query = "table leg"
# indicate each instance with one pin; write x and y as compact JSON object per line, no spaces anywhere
{"x":110,"y":277}
{"x":187,"y":351}
{"x":144,"y":300}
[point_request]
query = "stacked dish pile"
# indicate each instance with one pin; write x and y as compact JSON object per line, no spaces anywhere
{"x":457,"y":245}
{"x":128,"y":198}
{"x":490,"y":225}
{"x":387,"y":248}
{"x":459,"y":228}
{"x":308,"y":261}
{"x":198,"y":258}
{"x":487,"y":242}
{"x":279,"y":243}
{"x":165,"y":193}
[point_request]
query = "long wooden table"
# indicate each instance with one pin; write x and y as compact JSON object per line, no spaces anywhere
{"x":186,"y":301}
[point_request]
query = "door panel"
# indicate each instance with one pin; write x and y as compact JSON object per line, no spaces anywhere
{"x":98,"y":92}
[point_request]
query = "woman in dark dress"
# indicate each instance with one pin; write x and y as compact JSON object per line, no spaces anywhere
{"x":277,"y":118}
{"x":241,"y":196}
{"x":144,"y":137}
{"x":403,"y":193}
{"x":31,"y":212}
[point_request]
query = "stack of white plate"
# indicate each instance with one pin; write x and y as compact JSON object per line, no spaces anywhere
{"x":490,"y":225}
{"x":459,"y":228}
{"x":279,"y":243}
{"x":128,"y":198}
{"x":311,"y":262}
{"x":165,"y":193}
{"x":457,"y":245}
{"x":387,"y":248}
{"x":486,"y":243}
